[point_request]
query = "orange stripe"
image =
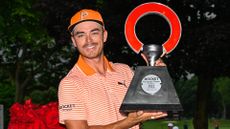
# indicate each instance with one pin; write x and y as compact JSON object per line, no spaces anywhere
{"x":87,"y":69}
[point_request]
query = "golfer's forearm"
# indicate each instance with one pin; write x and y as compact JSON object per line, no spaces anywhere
{"x":122,"y":124}
{"x":82,"y":124}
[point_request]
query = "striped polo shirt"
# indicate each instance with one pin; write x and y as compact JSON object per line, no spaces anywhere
{"x":86,"y":95}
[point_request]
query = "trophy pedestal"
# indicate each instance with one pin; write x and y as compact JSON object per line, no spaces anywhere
{"x":151,"y":89}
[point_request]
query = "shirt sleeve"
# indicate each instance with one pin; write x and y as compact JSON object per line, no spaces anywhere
{"x":71,"y":104}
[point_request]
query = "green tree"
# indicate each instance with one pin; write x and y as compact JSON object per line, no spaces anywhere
{"x":6,"y":97}
{"x":186,"y":89}
{"x":222,"y":85}
{"x":203,"y":50}
{"x":30,"y":58}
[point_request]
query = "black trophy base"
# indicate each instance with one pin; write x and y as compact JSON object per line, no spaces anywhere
{"x":151,"y":89}
{"x":150,"y":107}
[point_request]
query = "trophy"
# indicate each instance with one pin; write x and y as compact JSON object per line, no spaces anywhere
{"x":151,"y":88}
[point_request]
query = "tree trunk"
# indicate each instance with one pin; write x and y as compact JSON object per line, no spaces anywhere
{"x":19,"y":93}
{"x":21,"y":84}
{"x":224,"y":110}
{"x":204,"y":89}
{"x":19,"y":89}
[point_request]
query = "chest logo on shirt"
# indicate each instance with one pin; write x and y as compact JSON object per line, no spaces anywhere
{"x":66,"y":107}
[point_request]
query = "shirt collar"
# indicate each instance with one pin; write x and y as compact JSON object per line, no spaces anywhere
{"x":88,"y":70}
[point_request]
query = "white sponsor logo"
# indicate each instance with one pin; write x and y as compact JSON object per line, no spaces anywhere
{"x":151,"y":84}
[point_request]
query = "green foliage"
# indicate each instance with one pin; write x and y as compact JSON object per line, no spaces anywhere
{"x":99,"y":3}
{"x":162,"y":124}
{"x":223,"y":86}
{"x":43,"y":96}
{"x":7,"y":92}
{"x":21,"y":19}
{"x":186,"y":90}
{"x":30,"y":58}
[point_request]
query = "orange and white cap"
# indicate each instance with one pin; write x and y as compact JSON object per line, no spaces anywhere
{"x":85,"y":15}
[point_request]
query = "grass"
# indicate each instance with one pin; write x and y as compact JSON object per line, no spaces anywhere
{"x":162,"y":124}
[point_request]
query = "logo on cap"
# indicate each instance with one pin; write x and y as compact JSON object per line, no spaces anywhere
{"x":84,"y":14}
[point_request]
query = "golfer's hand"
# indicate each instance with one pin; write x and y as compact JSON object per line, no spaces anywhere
{"x":141,"y":116}
{"x":159,"y":62}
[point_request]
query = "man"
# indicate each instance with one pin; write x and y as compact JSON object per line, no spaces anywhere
{"x":91,"y":94}
{"x":170,"y":125}
{"x":175,"y":127}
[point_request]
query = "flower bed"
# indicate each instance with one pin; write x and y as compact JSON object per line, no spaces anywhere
{"x":33,"y":116}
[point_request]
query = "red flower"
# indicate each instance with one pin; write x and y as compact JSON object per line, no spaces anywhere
{"x":31,"y":116}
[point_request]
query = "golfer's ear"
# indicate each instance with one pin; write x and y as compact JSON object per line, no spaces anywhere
{"x":73,"y":41}
{"x":105,"y":35}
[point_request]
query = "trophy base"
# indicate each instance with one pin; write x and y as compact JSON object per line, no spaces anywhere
{"x":150,"y":107}
{"x":151,"y":89}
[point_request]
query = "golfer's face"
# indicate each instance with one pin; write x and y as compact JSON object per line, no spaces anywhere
{"x":89,"y":38}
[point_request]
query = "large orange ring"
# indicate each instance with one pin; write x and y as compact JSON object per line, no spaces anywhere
{"x":157,"y":8}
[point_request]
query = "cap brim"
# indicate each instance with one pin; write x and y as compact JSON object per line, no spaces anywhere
{"x":71,"y":27}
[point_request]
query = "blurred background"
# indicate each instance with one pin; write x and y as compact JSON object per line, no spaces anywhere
{"x":36,"y":51}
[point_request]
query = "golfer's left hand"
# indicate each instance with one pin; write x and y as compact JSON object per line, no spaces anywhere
{"x":159,"y":62}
